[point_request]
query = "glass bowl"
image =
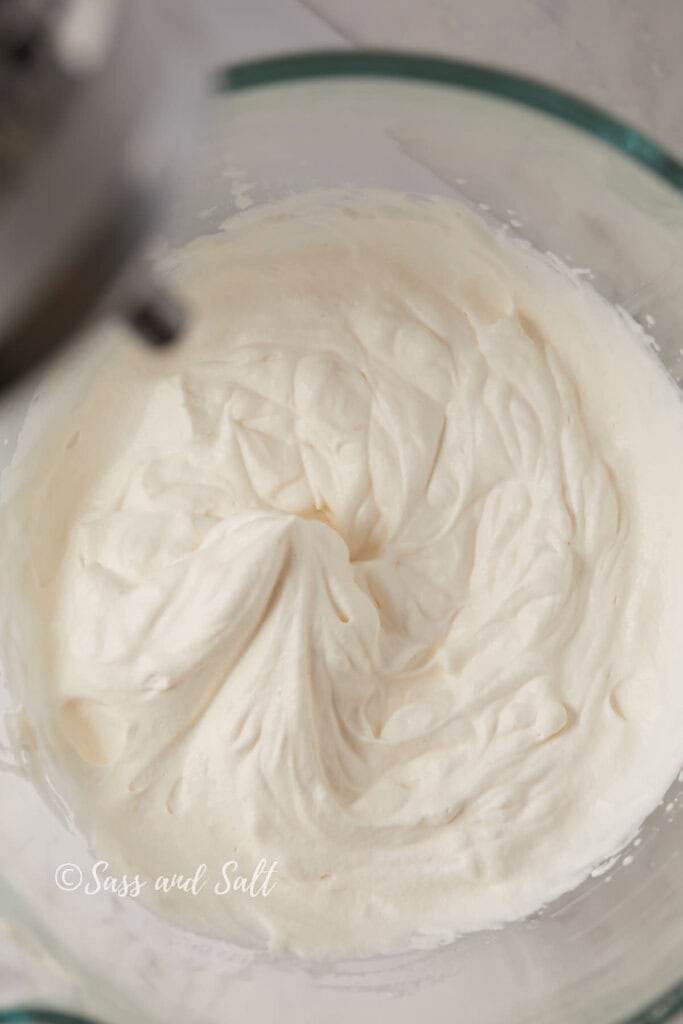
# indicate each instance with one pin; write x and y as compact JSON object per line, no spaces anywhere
{"x":599,"y":196}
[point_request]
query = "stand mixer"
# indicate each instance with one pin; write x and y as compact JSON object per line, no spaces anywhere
{"x":96,"y":102}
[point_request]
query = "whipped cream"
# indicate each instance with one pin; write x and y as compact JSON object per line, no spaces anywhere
{"x":377,"y":576}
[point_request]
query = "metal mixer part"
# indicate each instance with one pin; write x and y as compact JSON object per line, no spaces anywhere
{"x":34,"y":87}
{"x":96,"y":102}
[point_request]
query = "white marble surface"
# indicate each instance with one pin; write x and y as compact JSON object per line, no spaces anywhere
{"x":625,"y":55}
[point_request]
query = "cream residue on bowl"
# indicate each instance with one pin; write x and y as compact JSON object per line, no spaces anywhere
{"x":377,"y":575}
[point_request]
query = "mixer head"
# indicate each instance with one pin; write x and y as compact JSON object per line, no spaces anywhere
{"x":96,"y":102}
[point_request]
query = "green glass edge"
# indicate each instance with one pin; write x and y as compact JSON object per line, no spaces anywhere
{"x":37,"y":1015}
{"x":527,"y":91}
{"x":383,"y":64}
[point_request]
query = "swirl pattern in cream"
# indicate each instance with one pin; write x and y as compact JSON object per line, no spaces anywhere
{"x":368,"y":578}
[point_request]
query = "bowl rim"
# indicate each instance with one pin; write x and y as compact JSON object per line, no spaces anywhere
{"x":492,"y":81}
